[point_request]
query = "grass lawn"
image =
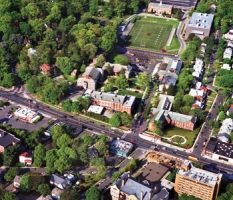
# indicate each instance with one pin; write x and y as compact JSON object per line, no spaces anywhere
{"x":189,"y":135}
{"x":175,"y":44}
{"x":152,"y":35}
{"x":178,"y":139}
{"x":161,"y":21}
{"x":128,"y":92}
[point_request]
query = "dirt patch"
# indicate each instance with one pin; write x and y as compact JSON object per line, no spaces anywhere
{"x":148,"y":34}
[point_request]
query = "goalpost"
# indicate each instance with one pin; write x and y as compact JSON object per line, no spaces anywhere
{"x":143,"y":44}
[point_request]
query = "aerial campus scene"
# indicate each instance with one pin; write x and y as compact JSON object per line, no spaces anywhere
{"x":116,"y":100}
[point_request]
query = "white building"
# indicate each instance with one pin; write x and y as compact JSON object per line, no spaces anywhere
{"x":227,"y":53}
{"x":198,"y":68}
{"x":226,"y":66}
{"x":26,"y":114}
{"x":225,"y":130}
{"x":95,"y":109}
{"x":229,"y":35}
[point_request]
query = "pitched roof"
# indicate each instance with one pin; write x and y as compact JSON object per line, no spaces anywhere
{"x":7,"y":139}
{"x":17,"y":179}
{"x":59,"y":180}
{"x":180,"y":117}
{"x":91,"y":72}
{"x":45,"y":67}
{"x":42,"y":197}
{"x":133,"y":187}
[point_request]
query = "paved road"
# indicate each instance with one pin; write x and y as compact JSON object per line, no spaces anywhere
{"x":178,"y":34}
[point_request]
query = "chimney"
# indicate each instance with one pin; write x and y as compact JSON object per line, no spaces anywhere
{"x":141,"y":195}
{"x":160,"y":3}
{"x":150,"y":195}
{"x":122,"y":182}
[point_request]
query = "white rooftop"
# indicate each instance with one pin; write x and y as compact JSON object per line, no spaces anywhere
{"x":95,"y":109}
{"x":226,"y":66}
{"x":201,"y":20}
{"x":225,"y":130}
{"x":26,"y":113}
{"x":201,"y":175}
{"x":194,"y":92}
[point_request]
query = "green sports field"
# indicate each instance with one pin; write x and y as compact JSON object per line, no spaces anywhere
{"x":149,"y":35}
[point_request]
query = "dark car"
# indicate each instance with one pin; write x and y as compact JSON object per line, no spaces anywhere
{"x":90,"y":129}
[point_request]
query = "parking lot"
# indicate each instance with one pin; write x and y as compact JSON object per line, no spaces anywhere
{"x":15,"y":123}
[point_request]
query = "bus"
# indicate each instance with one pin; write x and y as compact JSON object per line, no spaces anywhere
{"x":192,"y":158}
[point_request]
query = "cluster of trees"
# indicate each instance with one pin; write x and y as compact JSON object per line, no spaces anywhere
{"x":183,"y":104}
{"x":67,"y":152}
{"x":94,"y":194}
{"x":132,"y":166}
{"x":5,"y":195}
{"x":221,"y":48}
{"x":79,"y":106}
{"x":119,"y":82}
{"x":7,"y":78}
{"x":225,"y":78}
{"x":228,"y":194}
{"x":188,"y":197}
{"x":121,"y":119}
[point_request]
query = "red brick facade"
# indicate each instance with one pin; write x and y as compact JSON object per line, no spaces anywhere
{"x":184,"y":125}
{"x":113,"y":106}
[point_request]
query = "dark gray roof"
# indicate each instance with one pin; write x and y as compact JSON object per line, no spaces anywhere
{"x":59,"y":180}
{"x":7,"y":139}
{"x":224,"y":149}
{"x":92,"y":72}
{"x":211,"y":144}
{"x":162,"y":194}
{"x":133,"y":187}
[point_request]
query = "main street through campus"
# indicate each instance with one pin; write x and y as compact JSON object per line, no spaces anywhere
{"x":141,"y":144}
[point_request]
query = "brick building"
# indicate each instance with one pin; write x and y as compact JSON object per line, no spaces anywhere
{"x":197,"y":182}
{"x":111,"y":101}
{"x":160,"y":8}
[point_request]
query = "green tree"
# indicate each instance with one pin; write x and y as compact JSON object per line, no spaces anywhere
{"x":9,"y":196}
{"x":122,"y":82}
{"x":94,"y":194}
{"x":87,"y":139}
{"x":97,"y":162}
{"x":100,"y":61}
{"x":44,"y":189}
{"x":70,"y":194}
{"x":63,"y":141}
{"x":126,"y":119}
{"x":115,"y":176}
{"x":50,"y":158}
{"x":133,"y":165}
{"x":102,"y":171}
{"x":39,"y":155}
{"x":188,"y":197}
{"x":115,"y":120}
{"x":65,"y":64}
{"x":222,"y":115}
{"x":171,"y":90}
{"x":83,"y":68}
{"x":10,"y":155}
{"x":142,"y":80}
{"x":188,"y":100}
{"x":83,"y":154}
{"x":11,"y":173}
{"x":101,"y":147}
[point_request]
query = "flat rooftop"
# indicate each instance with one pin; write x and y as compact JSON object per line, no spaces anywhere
{"x":178,"y":3}
{"x":154,"y":172}
{"x":224,"y":149}
{"x":201,"y":20}
{"x":121,"y":145}
{"x":201,"y":175}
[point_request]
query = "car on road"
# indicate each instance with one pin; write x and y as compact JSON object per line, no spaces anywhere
{"x":90,"y":129}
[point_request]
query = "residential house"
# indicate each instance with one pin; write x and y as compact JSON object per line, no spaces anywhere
{"x":43,"y":197}
{"x":116,"y":68}
{"x":89,"y":79}
{"x":198,"y":104}
{"x":60,"y":182}
{"x":200,"y":24}
{"x":198,"y":69}
{"x":203,"y":48}
{"x":26,"y":114}
{"x":198,"y":85}
{"x":129,"y":188}
{"x":229,"y":35}
{"x":199,"y":95}
{"x":17,"y":181}
{"x":230,"y":110}
{"x":110,"y":101}
{"x":26,"y":158}
{"x":45,"y":68}
{"x":160,"y":8}
{"x":167,"y":117}
{"x":168,"y":73}
{"x":6,"y":140}
{"x":226,"y":66}
{"x":230,"y":44}
{"x":225,"y":130}
{"x":227,"y":53}
{"x":56,"y":193}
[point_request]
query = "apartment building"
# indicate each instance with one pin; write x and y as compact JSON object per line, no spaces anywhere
{"x":160,"y":7}
{"x":197,"y":182}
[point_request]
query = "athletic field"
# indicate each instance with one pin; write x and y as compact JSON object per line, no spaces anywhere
{"x":149,"y":35}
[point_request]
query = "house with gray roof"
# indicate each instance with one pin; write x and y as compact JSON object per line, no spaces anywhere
{"x":111,"y":101}
{"x":60,"y":182}
{"x":89,"y":79}
{"x":200,"y":24}
{"x":6,"y":140}
{"x":129,"y":188}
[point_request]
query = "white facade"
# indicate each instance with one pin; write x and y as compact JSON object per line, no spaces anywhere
{"x":227,"y":53}
{"x":26,"y":114}
{"x":226,"y":66}
{"x":225,"y":130}
{"x":220,"y":157}
{"x":229,"y":35}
